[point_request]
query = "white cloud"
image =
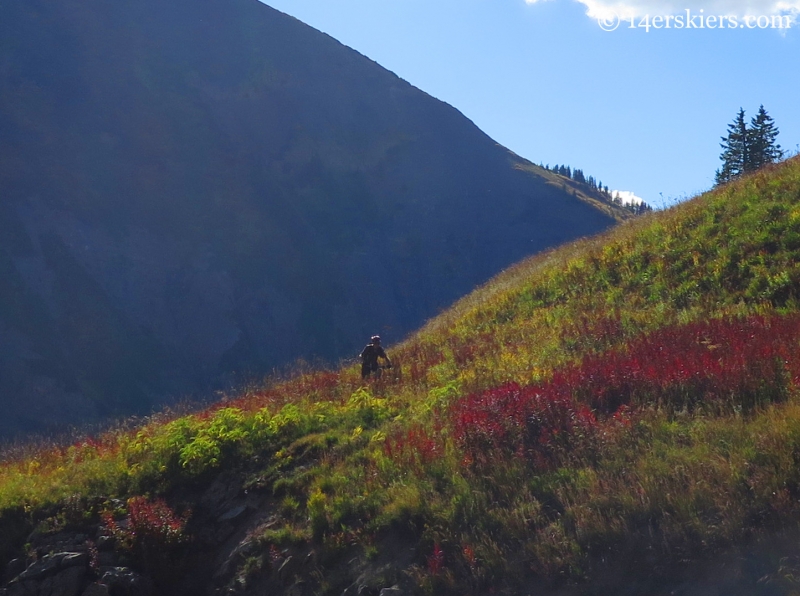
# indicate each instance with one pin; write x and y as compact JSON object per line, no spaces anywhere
{"x":627,"y":197}
{"x":740,"y":8}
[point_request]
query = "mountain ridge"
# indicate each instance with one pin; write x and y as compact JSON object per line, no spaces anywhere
{"x":197,"y":192}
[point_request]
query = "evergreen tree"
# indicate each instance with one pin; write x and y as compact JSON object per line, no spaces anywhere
{"x":746,"y":149}
{"x":734,"y":150}
{"x":763,"y":149}
{"x":579,"y":176}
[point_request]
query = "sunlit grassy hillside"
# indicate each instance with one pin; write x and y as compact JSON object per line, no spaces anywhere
{"x":628,"y":402}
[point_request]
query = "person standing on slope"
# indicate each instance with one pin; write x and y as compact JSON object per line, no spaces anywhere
{"x":369,"y":358}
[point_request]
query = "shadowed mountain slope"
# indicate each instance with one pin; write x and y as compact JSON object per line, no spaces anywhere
{"x":197,"y":189}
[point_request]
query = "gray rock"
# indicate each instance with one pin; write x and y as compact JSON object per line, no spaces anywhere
{"x":123,"y":581}
{"x":287,"y":568}
{"x":352,"y":590}
{"x":224,"y":489}
{"x":393,"y":591}
{"x":105,"y":542}
{"x":243,"y":550}
{"x":44,"y":567}
{"x":225,"y":531}
{"x":233,"y":513}
{"x":52,"y":569}
{"x":13,"y":569}
{"x":96,"y":590}
{"x":29,"y":588}
{"x":67,"y":583}
{"x":74,"y":560}
{"x":106,"y":559}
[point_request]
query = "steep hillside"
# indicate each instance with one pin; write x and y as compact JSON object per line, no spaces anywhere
{"x":199,"y":190}
{"x":618,"y":416}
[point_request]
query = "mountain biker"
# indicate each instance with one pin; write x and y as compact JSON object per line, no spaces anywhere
{"x":369,"y":357}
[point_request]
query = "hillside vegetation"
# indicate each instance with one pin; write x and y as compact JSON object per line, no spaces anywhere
{"x":622,"y":409}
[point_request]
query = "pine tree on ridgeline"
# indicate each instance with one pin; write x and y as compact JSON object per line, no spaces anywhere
{"x":578,"y":175}
{"x":748,"y":148}
{"x":734,"y":150}
{"x":763,"y":149}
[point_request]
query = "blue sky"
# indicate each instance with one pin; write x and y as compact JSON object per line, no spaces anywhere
{"x":642,"y":111}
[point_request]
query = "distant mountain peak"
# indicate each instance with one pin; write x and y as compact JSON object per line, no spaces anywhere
{"x":195,"y":192}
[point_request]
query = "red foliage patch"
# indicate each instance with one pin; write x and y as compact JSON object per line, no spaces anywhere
{"x":532,"y":421}
{"x":724,"y":364}
{"x":150,"y":527}
{"x":413,"y":448}
{"x":436,"y":560}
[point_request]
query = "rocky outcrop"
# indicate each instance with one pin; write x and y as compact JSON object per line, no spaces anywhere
{"x":224,"y":555}
{"x":73,"y":569}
